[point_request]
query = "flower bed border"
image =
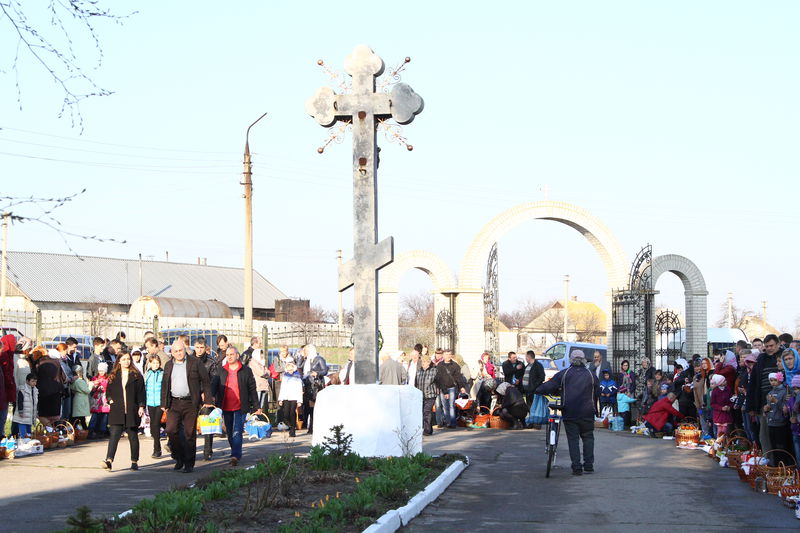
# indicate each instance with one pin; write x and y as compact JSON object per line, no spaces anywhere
{"x":394,"y":519}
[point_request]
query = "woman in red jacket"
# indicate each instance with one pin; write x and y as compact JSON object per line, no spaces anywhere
{"x":658,"y":417}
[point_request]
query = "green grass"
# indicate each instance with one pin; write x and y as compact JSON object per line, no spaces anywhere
{"x":182,"y":510}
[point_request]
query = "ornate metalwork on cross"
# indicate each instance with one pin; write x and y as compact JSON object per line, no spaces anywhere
{"x":364,"y":108}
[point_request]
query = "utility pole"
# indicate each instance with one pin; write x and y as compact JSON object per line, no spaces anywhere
{"x":248,"y":232}
{"x":4,"y":266}
{"x":566,"y":305}
{"x":339,"y":267}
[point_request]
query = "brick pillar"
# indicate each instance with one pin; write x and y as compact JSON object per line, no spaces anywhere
{"x":696,"y":322}
{"x":469,"y":320}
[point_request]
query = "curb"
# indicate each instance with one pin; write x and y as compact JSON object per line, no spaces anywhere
{"x":393,"y":520}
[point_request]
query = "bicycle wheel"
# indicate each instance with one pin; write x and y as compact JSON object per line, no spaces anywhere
{"x":551,"y":457}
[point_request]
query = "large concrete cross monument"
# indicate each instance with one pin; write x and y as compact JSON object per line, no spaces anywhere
{"x":363,"y":107}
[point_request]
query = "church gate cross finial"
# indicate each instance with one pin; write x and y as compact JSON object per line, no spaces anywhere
{"x":363,"y":107}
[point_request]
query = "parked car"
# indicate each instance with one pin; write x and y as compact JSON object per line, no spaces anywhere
{"x":11,"y":331}
{"x":550,"y":367}
{"x":560,"y":352}
{"x":82,"y":339}
{"x":85,"y":350}
{"x":171,"y":335}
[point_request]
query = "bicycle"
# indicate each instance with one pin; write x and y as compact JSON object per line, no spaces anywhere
{"x":553,"y":430}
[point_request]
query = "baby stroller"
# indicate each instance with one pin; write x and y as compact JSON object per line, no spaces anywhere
{"x":465,"y":410}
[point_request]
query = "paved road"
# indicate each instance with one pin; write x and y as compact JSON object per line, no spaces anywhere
{"x":641,"y":484}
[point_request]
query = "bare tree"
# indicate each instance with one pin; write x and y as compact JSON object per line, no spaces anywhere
{"x":552,"y":322}
{"x":525,"y":312}
{"x":739,"y":316}
{"x":587,"y":325}
{"x":42,"y":212}
{"x":417,"y":320}
{"x":50,"y":34}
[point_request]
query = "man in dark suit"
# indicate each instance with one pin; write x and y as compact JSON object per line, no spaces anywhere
{"x":185,"y":386}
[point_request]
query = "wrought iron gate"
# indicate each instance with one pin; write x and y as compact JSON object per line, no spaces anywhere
{"x":446,"y":333}
{"x":670,"y":339}
{"x":491,"y":304}
{"x":631,"y":313}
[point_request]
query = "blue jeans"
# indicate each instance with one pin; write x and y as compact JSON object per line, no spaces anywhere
{"x":98,"y":423}
{"x":747,"y":422}
{"x":24,"y":430}
{"x":234,"y":425}
{"x":449,"y":406}
{"x":796,"y":441}
{"x":3,"y":418}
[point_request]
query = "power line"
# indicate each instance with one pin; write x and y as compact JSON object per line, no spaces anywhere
{"x":157,"y":149}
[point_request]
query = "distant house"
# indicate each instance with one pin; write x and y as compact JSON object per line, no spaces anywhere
{"x":756,"y":327}
{"x":586,"y":322}
{"x":56,"y":282}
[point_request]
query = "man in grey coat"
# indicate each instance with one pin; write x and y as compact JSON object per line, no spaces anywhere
{"x":392,"y":371}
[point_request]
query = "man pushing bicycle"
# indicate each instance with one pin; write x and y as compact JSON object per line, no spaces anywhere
{"x":578,"y":387}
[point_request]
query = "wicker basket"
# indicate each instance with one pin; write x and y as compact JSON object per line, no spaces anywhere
{"x":688,"y":432}
{"x":790,"y":488}
{"x":734,"y":449}
{"x":776,"y":475}
{"x":482,"y":419}
{"x":496,"y":422}
{"x":66,"y":431}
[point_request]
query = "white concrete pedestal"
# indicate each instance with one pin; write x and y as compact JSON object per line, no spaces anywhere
{"x":385,"y":420}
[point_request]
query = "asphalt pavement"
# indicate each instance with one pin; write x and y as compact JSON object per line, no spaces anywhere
{"x":640,"y":484}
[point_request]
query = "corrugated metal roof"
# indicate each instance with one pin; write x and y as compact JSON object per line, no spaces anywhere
{"x":47,"y":277}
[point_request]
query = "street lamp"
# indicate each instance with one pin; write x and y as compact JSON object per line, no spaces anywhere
{"x":248,"y":232}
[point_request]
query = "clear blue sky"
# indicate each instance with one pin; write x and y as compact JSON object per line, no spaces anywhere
{"x":676,"y":124}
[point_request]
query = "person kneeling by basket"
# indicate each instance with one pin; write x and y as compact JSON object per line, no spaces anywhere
{"x":513,"y":408}
{"x":659,"y":418}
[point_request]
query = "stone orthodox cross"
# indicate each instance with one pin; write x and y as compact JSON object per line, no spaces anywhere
{"x":364,"y":107}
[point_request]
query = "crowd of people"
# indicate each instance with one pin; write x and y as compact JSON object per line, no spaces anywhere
{"x":135,"y":390}
{"x":752,"y":387}
{"x":128,"y":390}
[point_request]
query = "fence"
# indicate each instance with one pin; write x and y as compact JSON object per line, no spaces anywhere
{"x":45,"y":325}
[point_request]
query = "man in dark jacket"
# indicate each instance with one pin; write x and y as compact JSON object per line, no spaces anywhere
{"x":236,"y":393}
{"x":513,"y":370}
{"x":579,"y":387}
{"x":255,"y":344}
{"x":532,"y":377}
{"x":449,"y":380}
{"x":205,"y":356}
{"x":759,"y":386}
{"x":183,"y":387}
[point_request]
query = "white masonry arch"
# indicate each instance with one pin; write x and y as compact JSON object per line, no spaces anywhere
{"x":695,"y":294}
{"x":389,"y":287}
{"x":469,"y":304}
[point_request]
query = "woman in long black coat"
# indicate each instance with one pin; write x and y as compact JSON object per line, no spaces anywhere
{"x":126,"y":394}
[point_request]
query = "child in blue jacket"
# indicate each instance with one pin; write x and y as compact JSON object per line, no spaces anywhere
{"x":608,"y":392}
{"x":152,"y":387}
{"x":624,"y":401}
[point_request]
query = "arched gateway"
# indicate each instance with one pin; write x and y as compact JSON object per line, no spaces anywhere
{"x":469,"y":303}
{"x":467,"y":296}
{"x":695,"y":294}
{"x":389,"y":286}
